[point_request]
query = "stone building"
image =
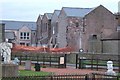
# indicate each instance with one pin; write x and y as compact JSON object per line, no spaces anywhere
{"x":45,"y":29}
{"x":54,"y":29}
{"x":110,"y":44}
{"x":70,"y":26}
{"x":100,"y":23}
{"x":77,"y":26}
{"x":23,"y":32}
{"x":39,"y":30}
{"x":2,"y":32}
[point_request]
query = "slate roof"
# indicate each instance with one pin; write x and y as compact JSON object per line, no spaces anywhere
{"x":9,"y":35}
{"x":49,"y":15}
{"x":77,"y":12}
{"x":57,"y":12}
{"x":40,"y":17}
{"x":18,"y":24}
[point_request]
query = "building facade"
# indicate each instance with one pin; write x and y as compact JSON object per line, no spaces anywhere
{"x":24,"y":32}
{"x":45,"y":31}
{"x":54,"y":29}
{"x":84,"y":30}
{"x":39,"y":30}
{"x":2,"y":32}
{"x":77,"y":28}
{"x":100,"y":23}
{"x":70,"y":27}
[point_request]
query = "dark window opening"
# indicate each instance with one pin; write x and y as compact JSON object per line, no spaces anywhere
{"x":22,"y":43}
{"x":77,"y":24}
{"x":94,"y":36}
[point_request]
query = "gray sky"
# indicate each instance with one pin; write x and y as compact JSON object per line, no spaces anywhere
{"x":28,"y":10}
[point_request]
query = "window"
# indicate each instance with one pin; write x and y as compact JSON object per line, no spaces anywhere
{"x":94,"y":36}
{"x":77,"y":24}
{"x":25,"y":35}
{"x":28,"y":34}
{"x":27,"y":44}
{"x":22,"y":43}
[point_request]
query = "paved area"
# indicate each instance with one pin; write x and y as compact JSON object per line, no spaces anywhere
{"x":67,"y":70}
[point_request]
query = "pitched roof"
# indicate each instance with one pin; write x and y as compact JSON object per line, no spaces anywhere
{"x":77,"y":12}
{"x":9,"y":35}
{"x":18,"y":24}
{"x":49,"y":15}
{"x":40,"y":16}
{"x":57,"y":12}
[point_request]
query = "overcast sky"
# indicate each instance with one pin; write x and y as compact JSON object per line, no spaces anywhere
{"x":28,"y":10}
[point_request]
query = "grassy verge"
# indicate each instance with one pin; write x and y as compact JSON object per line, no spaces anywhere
{"x":33,"y":73}
{"x":102,"y":63}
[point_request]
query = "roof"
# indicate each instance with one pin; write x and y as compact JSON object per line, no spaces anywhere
{"x":57,"y":12}
{"x":40,"y":16}
{"x":9,"y":35}
{"x":18,"y":24}
{"x":77,"y":12}
{"x":49,"y":15}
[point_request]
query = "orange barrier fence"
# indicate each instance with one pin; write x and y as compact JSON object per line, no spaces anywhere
{"x":40,"y":49}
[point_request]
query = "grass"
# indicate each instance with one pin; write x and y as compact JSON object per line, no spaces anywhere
{"x":33,"y":73}
{"x":104,"y":63}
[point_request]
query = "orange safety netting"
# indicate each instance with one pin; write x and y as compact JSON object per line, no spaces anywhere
{"x":66,"y":49}
{"x":40,"y":49}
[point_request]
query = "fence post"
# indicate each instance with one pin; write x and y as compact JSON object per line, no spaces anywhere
{"x":92,"y":62}
{"x":50,"y":61}
{"x":37,"y":58}
{"x":119,"y":62}
{"x":65,"y":60}
{"x":51,"y":78}
{"x":20,"y":59}
{"x":26,"y":57}
{"x":43,"y":60}
{"x":76,"y":60}
{"x":80,"y":66}
{"x":86,"y":77}
{"x":117,"y":77}
{"x":97,"y":64}
{"x":93,"y":76}
{"x":58,"y":62}
{"x":15,"y":56}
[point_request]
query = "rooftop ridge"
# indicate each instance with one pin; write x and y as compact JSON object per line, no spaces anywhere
{"x":17,"y":21}
{"x":77,"y":7}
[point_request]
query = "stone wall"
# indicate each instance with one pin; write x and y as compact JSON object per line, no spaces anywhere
{"x":97,"y":24}
{"x":110,"y":46}
{"x":95,"y":46}
{"x":9,"y":70}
